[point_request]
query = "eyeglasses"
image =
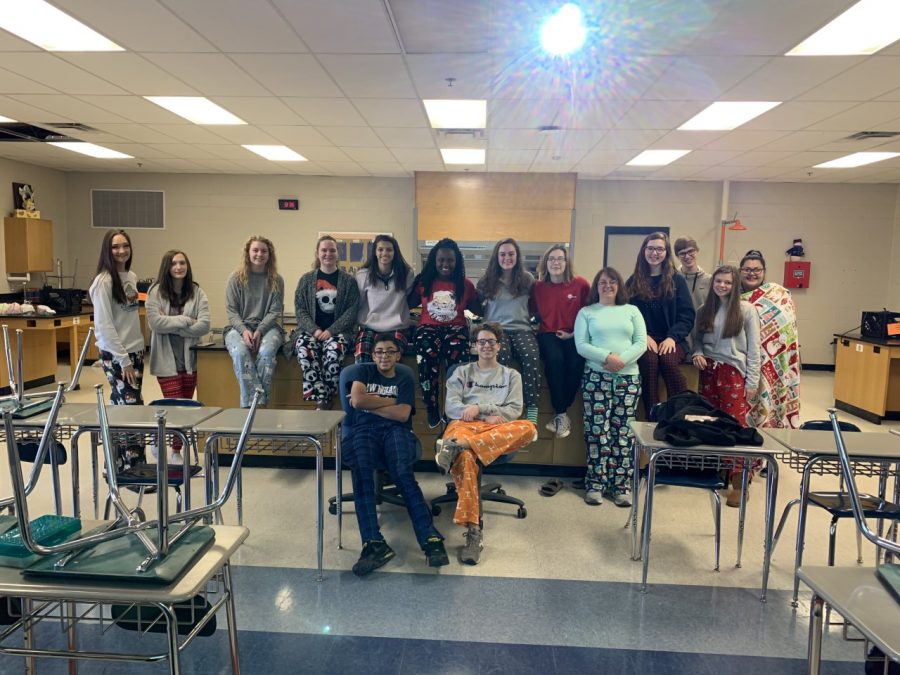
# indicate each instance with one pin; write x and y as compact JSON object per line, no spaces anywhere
{"x":687,"y":252}
{"x":556,"y":259}
{"x":753,"y":270}
{"x":490,"y":342}
{"x":381,"y":353}
{"x":655,"y":249}
{"x":607,"y":284}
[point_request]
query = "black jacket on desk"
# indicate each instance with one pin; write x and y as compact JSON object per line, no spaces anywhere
{"x":674,"y":428}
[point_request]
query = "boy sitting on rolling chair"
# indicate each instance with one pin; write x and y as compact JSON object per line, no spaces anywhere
{"x":383,"y":399}
{"x":484,"y":401}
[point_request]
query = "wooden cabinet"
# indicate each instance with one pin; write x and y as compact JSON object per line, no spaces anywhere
{"x":867,"y":378}
{"x":29,"y":245}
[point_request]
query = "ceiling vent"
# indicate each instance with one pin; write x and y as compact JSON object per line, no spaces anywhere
{"x":470,"y":134}
{"x":867,"y":135}
{"x":75,"y":126}
{"x":19,"y":132}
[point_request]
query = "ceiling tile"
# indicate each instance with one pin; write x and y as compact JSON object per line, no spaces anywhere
{"x":352,"y":137}
{"x":795,"y":115}
{"x":408,"y":156}
{"x":784,"y":77}
{"x":866,"y":116}
{"x":69,"y":109}
{"x":189,"y":133}
{"x":803,"y":140}
{"x":472,"y":75}
{"x":370,"y":76}
{"x":703,"y":78}
{"x":296,"y":135}
{"x":512,"y":139}
{"x":383,"y":112}
{"x":522,"y":113}
{"x":628,"y":139}
{"x":758,"y":157}
{"x":344,"y":168}
{"x":326,"y":112}
{"x":592,"y":113}
{"x":687,"y":140}
{"x":238,"y":25}
{"x":58,"y":74}
{"x":137,"y":25}
{"x":406,"y":138}
{"x":131,"y":72}
{"x":324,"y":154}
{"x":369,"y":155}
{"x":645,"y":114}
{"x":743,"y":139}
{"x":210,"y":74}
{"x":260,"y":110}
{"x":243,"y":134}
{"x":133,"y":108}
{"x":873,"y":77}
{"x":445,"y":25}
{"x":504,"y":156}
{"x":349,"y":26}
{"x":139,"y":133}
{"x":13,"y":83}
{"x":288,"y":74}
{"x":707,"y":157}
{"x":390,"y":169}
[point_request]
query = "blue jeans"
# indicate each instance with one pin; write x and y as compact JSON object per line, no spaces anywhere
{"x":381,"y":443}
{"x":254,"y":372}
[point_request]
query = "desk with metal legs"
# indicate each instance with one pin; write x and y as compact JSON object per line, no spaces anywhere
{"x":41,"y":596}
{"x":292,"y":426}
{"x":857,"y":595}
{"x":141,"y":419}
{"x":816,"y":452}
{"x":658,"y":450}
{"x":65,"y":425}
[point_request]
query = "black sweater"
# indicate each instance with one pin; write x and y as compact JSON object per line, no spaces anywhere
{"x":676,"y":314}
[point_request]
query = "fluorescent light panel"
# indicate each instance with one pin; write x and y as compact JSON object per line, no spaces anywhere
{"x":657,"y":157}
{"x":6,"y":120}
{"x":865,"y":28}
{"x":196,"y":109}
{"x":456,"y":113}
{"x":463,"y":155}
{"x":49,"y":28}
{"x":92,"y":150}
{"x":857,"y":159}
{"x":727,"y":115}
{"x":277,"y":153}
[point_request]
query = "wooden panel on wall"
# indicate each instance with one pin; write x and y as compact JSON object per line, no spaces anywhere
{"x":485,"y":206}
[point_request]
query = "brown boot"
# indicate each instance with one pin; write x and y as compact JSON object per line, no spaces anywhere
{"x":734,"y":494}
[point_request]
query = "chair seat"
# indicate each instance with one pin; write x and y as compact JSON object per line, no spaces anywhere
{"x":838,"y":505}
{"x":705,"y":479}
{"x":145,"y":474}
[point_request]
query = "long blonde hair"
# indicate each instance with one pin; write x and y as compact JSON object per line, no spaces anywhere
{"x":243,"y":270}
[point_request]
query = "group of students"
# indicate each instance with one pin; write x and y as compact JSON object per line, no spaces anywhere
{"x":611,"y":338}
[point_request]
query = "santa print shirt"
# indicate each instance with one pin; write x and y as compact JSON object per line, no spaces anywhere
{"x":326,"y":292}
{"x":442,"y":307}
{"x":558,"y":304}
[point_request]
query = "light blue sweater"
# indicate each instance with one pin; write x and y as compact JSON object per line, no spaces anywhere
{"x":601,"y":330}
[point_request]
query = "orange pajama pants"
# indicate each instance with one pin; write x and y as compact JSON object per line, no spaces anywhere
{"x":488,"y":441}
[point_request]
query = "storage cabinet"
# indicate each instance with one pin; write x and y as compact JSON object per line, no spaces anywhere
{"x":29,"y":245}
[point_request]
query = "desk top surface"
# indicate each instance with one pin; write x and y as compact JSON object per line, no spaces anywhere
{"x":273,"y":422}
{"x":643,"y":432}
{"x":228,"y":539}
{"x":144,"y":416}
{"x":857,"y":594}
{"x":67,"y":414}
{"x":874,"y":444}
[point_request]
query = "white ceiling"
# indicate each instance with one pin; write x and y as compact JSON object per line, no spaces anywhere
{"x":342,"y":82}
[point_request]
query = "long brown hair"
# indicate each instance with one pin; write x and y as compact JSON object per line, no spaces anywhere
{"x":108,"y":265}
{"x":167,"y":286}
{"x":489,"y":284}
{"x":544,"y":275}
{"x":621,"y":291}
{"x":399,"y":267}
{"x":243,"y":270}
{"x":734,"y":320}
{"x":639,"y":283}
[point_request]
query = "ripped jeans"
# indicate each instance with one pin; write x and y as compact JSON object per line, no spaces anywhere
{"x":254,"y":371}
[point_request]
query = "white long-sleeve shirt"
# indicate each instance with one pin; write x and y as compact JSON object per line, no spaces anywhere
{"x":117,"y":326}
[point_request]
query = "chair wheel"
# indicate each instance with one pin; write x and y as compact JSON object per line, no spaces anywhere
{"x":522,"y":512}
{"x":501,"y":491}
{"x":332,"y":509}
{"x":435,"y":510}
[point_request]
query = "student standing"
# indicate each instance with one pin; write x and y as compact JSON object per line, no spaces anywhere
{"x":442,"y":335}
{"x":556,"y":297}
{"x":384,"y":282}
{"x":726,"y":351}
{"x":254,"y":303}
{"x":117,"y":329}
{"x":504,"y":292}
{"x":326,"y":302}
{"x":698,"y":281}
{"x":611,"y":336}
{"x":663,"y":298}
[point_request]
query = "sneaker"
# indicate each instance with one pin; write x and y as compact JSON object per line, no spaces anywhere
{"x":471,"y":551}
{"x":435,"y":553}
{"x":593,"y":497}
{"x":374,"y":555}
{"x":563,"y":425}
{"x":551,"y":426}
{"x":622,"y":499}
{"x":446,"y":452}
{"x":434,"y":418}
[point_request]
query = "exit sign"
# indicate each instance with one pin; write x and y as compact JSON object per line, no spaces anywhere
{"x":289,"y":204}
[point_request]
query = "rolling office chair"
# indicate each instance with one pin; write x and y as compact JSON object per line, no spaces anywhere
{"x":490,"y":492}
{"x":142,"y":478}
{"x":838,"y":503}
{"x":385,"y":490}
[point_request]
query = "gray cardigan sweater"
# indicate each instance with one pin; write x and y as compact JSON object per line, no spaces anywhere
{"x":191,"y":324}
{"x":346,"y":305}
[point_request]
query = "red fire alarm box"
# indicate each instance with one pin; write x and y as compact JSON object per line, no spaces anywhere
{"x":796,"y":274}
